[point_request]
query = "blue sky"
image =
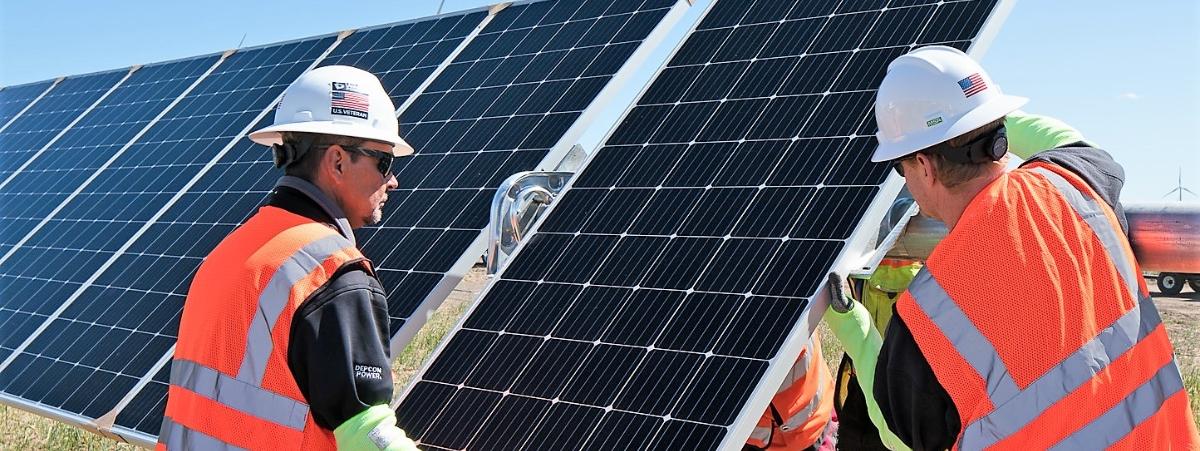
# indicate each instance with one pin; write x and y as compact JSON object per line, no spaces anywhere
{"x":1125,"y":73}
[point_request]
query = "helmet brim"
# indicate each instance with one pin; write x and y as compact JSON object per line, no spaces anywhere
{"x":974,"y":119}
{"x":272,"y":135}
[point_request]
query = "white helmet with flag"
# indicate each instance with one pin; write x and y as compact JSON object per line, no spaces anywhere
{"x":932,"y":95}
{"x":336,"y":100}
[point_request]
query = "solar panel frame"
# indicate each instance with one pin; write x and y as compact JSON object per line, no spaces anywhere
{"x":551,"y":160}
{"x":103,"y":425}
{"x":857,"y":255}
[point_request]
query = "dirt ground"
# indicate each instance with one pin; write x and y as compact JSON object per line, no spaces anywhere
{"x":1181,"y":313}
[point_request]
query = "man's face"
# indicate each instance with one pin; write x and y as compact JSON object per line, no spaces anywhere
{"x":364,"y":189}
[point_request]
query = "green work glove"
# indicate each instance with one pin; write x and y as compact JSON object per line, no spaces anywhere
{"x":373,"y":429}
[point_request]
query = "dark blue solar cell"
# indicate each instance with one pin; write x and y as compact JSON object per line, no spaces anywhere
{"x":144,"y":412}
{"x":474,"y":406}
{"x":566,"y":425}
{"x":496,"y":433}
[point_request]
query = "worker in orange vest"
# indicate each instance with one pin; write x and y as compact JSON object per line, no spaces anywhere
{"x":1030,"y":326}
{"x":284,"y":339}
{"x":800,"y":413}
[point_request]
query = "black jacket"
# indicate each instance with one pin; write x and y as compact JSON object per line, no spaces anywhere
{"x":338,"y":350}
{"x":915,"y":405}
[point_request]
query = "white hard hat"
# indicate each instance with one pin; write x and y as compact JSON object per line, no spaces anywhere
{"x":336,"y":100}
{"x":932,"y":95}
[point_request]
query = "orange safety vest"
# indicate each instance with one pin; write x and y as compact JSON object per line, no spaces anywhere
{"x":230,"y":381}
{"x":801,"y":408}
{"x":1034,"y":318}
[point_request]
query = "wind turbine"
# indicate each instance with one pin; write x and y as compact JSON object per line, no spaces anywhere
{"x":1179,"y":188}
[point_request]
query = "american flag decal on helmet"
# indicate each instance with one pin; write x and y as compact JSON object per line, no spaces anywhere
{"x":347,"y":101}
{"x":972,"y":85}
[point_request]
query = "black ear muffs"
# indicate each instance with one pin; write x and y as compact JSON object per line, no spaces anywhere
{"x":989,"y":147}
{"x":985,"y":149}
{"x":291,"y":151}
{"x":284,"y":154}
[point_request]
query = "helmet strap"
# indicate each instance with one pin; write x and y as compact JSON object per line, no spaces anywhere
{"x":984,"y":149}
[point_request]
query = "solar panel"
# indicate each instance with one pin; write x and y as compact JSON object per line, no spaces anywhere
{"x":516,"y":98}
{"x":663,"y":298}
{"x":400,"y":54}
{"x":16,"y":99}
{"x":98,"y":332}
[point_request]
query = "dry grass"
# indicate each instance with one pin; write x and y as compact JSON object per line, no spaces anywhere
{"x":1191,"y":381}
{"x":413,"y":357}
{"x":1182,"y":317}
{"x":20,"y":430}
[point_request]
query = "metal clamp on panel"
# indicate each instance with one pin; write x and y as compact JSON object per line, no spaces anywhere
{"x":521,"y":199}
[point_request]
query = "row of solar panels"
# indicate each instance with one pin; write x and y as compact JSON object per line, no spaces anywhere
{"x":658,"y":304}
{"x":118,"y":184}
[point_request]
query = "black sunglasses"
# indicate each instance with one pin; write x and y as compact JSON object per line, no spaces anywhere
{"x":899,"y":168}
{"x":383,"y":160}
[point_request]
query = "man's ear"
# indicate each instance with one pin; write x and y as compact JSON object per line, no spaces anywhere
{"x":928,"y":172}
{"x":335,"y":162}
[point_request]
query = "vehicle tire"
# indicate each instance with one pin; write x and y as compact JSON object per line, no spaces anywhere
{"x":1170,"y":284}
{"x":1195,"y":284}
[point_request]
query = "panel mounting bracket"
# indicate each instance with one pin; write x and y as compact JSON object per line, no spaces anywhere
{"x":498,"y":7}
{"x":519,"y":202}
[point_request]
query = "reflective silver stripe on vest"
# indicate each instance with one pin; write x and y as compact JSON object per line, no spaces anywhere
{"x":238,"y":395}
{"x":1013,"y":412}
{"x":176,"y":437}
{"x":967,"y":339}
{"x":275,"y":297}
{"x":804,"y":414}
{"x":1136,"y":408}
{"x":799,"y":369}
{"x":1074,"y":371}
{"x":1092,"y":212}
{"x":760,"y":436}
